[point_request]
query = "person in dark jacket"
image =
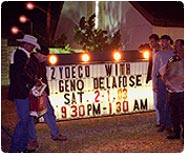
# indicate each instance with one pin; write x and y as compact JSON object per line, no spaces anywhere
{"x":37,"y":65}
{"x":20,"y":84}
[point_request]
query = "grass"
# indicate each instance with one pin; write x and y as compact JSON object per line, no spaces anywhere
{"x":134,"y":133}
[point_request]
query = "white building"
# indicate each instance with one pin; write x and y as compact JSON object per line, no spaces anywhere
{"x":135,"y":22}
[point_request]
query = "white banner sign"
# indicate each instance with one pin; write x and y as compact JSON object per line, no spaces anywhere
{"x":93,"y":90}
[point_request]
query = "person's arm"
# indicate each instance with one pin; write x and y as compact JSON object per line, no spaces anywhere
{"x":149,"y":71}
{"x":23,"y":69}
{"x":155,"y":70}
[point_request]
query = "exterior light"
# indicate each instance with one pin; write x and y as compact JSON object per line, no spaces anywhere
{"x":116,"y":55}
{"x":30,"y":6}
{"x":85,"y":57}
{"x":146,"y":54}
{"x":23,"y":19}
{"x":52,"y":59}
{"x":15,"y":30}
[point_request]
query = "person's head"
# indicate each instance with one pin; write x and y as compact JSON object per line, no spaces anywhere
{"x":42,"y":54}
{"x":29,"y":42}
{"x":166,"y":41}
{"x":179,"y":46}
{"x":153,"y":40}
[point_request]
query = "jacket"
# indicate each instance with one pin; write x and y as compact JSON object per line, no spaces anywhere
{"x":37,"y":70}
{"x":20,"y":82}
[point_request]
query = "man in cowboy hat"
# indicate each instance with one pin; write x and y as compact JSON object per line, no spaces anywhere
{"x":20,"y":85}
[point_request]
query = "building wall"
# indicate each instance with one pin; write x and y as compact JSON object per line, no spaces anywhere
{"x":134,"y":28}
{"x":173,"y":32}
{"x":70,"y":16}
{"x":5,"y":57}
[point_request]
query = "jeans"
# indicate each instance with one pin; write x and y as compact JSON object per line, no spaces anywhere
{"x":20,"y":136}
{"x":49,"y":118}
{"x":155,"y":107}
{"x":162,"y":104}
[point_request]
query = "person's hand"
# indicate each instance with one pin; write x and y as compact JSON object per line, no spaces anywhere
{"x":164,"y":77}
{"x":39,"y":82}
{"x":155,"y":90}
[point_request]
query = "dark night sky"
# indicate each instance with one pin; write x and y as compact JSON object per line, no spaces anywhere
{"x":168,"y":9}
{"x":11,"y":10}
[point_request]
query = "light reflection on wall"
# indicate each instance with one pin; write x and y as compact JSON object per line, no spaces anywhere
{"x":97,"y":13}
{"x":70,"y":16}
{"x":134,"y":28}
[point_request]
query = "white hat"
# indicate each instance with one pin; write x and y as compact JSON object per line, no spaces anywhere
{"x":30,"y":39}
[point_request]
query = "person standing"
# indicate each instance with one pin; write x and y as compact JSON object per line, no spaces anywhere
{"x":155,"y":48}
{"x":161,"y":60}
{"x":174,"y":81}
{"x":37,"y":66}
{"x":20,"y":85}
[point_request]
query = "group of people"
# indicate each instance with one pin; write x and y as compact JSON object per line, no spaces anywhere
{"x":166,"y":70}
{"x":27,"y":68}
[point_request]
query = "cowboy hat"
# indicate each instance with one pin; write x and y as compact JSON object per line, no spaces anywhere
{"x":31,"y":40}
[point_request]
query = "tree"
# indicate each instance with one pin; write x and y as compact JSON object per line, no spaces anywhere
{"x":92,"y":39}
{"x":61,"y":44}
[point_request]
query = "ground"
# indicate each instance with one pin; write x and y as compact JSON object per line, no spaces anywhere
{"x":134,"y":133}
